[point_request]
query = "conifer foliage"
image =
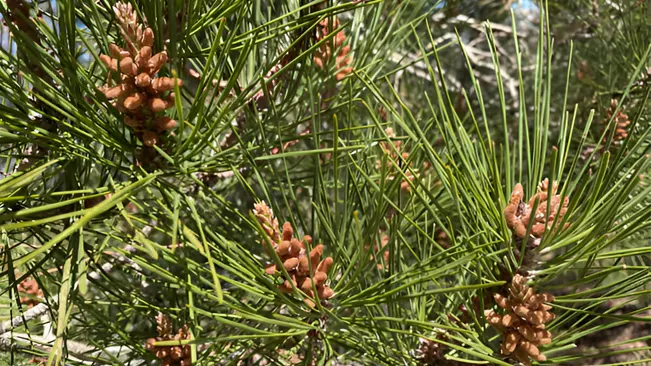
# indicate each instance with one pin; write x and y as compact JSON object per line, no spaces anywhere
{"x":452,"y":191}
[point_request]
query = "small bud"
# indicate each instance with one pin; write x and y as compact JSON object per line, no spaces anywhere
{"x":521,"y":310}
{"x":271,"y":269}
{"x":143,"y":56}
{"x":286,"y":287}
{"x":510,"y":342}
{"x":528,"y":295}
{"x":325,"y":293}
{"x":340,"y":75}
{"x":147,"y":38}
{"x":547,"y":316}
{"x":110,"y":63}
{"x":502,"y":301}
{"x":309,"y":302}
{"x":164,"y":84}
{"x":542,"y":333}
{"x":134,"y":101}
{"x":306,"y":285}
{"x":508,"y":320}
{"x":325,"y":265}
{"x":543,"y":341}
{"x":158,"y":105}
{"x":288,"y":231}
{"x":530,"y":348}
{"x":527,"y":332}
{"x":320,"y":277}
{"x":143,"y":80}
{"x":283,"y":248}
{"x":291,"y":263}
{"x":295,"y":247}
{"x":127,"y":66}
{"x":303,"y":266}
{"x":113,"y":92}
{"x":535,"y":317}
{"x":492,"y":318}
{"x":156,"y":62}
{"x":115,"y":51}
{"x":545,"y":297}
{"x":315,"y":255}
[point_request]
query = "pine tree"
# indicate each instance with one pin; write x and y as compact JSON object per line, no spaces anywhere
{"x":327,"y":182}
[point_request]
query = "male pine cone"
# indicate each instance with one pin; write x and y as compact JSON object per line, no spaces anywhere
{"x":336,"y":48}
{"x":306,"y":270}
{"x":523,"y":324}
{"x":621,"y":121}
{"x":139,"y":95}
{"x":179,"y":355}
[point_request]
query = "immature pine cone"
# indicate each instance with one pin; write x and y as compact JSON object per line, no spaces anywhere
{"x":523,"y":324}
{"x":518,"y":213}
{"x":170,"y":355}
{"x":328,"y":48}
{"x":295,"y":258}
{"x":30,"y":287}
{"x":621,"y":123}
{"x":140,"y":95}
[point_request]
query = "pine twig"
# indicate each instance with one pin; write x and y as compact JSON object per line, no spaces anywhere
{"x":19,"y":320}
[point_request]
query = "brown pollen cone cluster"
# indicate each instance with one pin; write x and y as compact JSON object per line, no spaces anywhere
{"x":327,"y":49}
{"x":170,"y":355}
{"x":296,"y":260}
{"x":140,"y":95}
{"x":621,"y":122}
{"x":30,"y":287}
{"x":432,"y":353}
{"x":523,"y":324}
{"x":518,"y":214}
{"x":395,"y":157}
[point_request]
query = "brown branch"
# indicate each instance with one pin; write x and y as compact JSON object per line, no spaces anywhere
{"x":17,"y":321}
